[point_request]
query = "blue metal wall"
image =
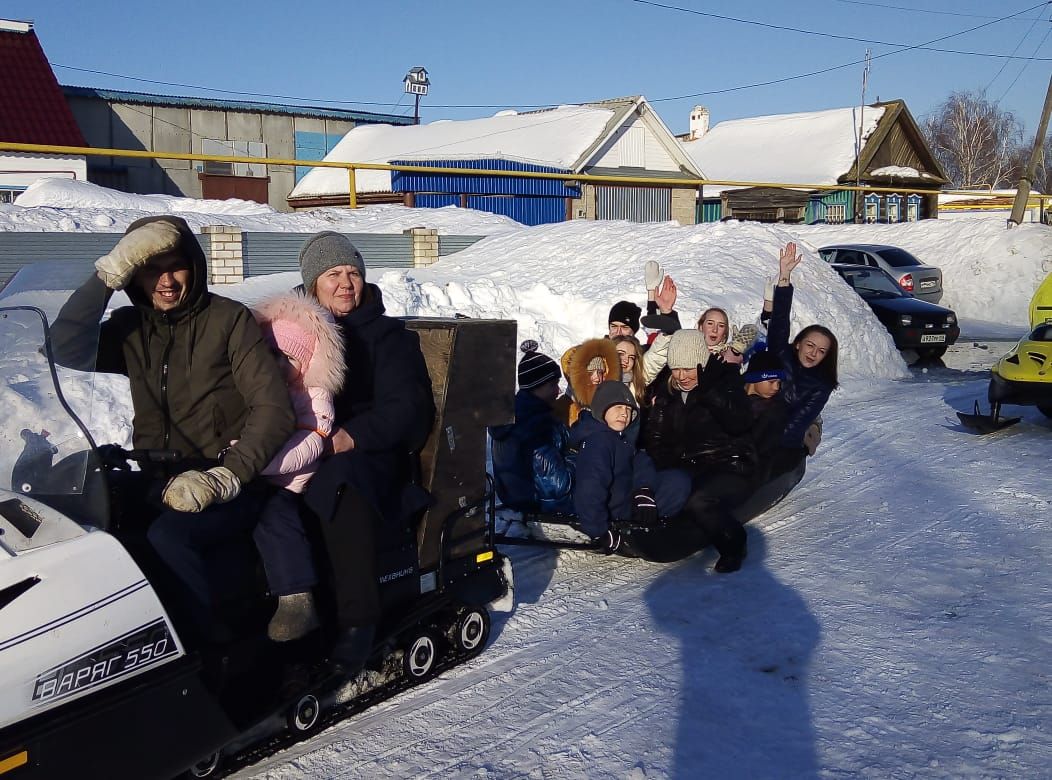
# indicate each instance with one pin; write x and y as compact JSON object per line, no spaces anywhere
{"x":533,"y":201}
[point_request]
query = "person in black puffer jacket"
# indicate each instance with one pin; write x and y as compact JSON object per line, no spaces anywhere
{"x":700,"y":421}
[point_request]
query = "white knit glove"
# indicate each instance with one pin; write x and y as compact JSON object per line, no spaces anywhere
{"x":193,"y":491}
{"x":768,"y":291}
{"x":652,"y":275}
{"x":134,"y":250}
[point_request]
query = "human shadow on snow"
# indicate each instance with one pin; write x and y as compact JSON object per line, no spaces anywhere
{"x":745,"y":642}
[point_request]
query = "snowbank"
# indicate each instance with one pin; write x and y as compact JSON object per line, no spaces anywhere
{"x":559,"y":282}
{"x":74,"y":206}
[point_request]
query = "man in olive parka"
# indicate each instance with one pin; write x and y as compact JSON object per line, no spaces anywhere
{"x":203,"y":382}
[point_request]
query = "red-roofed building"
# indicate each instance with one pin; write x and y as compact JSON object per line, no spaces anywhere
{"x":33,"y":110}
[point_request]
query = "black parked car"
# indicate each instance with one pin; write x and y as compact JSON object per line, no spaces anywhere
{"x":924,"y":327}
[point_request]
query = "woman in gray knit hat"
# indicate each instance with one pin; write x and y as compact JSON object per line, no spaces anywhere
{"x":384,"y":411}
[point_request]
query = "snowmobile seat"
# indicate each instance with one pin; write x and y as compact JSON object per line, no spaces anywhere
{"x":470,"y":395}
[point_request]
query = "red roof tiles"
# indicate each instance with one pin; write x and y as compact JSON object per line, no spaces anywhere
{"x":33,"y":109}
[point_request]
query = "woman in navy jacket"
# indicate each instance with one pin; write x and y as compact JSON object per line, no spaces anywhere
{"x":810,"y":361}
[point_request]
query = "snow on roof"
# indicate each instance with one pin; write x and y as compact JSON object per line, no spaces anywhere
{"x":902,"y":171}
{"x":816,"y":147}
{"x":555,"y":138}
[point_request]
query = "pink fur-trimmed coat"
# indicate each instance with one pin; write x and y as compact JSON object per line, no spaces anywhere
{"x":312,"y":395}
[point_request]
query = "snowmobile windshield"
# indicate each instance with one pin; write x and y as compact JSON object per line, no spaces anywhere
{"x":46,"y":448}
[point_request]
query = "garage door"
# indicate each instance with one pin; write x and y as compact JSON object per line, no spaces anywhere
{"x":635,"y":204}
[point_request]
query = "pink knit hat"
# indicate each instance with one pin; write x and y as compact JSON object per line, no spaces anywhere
{"x":294,"y":341}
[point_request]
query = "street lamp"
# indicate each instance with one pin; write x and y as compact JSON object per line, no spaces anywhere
{"x":416,"y":83}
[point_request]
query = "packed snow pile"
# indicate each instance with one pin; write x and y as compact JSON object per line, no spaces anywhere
{"x":989,"y":273}
{"x":62,"y":205}
{"x":559,"y":281}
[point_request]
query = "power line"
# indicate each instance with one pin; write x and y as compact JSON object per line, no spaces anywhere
{"x":846,"y":64}
{"x":925,"y":10}
{"x":835,"y":36}
{"x":1025,"y":64}
{"x":1005,"y":63}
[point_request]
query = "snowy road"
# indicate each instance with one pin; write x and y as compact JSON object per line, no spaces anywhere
{"x":891,"y":621}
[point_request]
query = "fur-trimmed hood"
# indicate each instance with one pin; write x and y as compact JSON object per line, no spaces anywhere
{"x":327,"y":365}
{"x":575,"y":367}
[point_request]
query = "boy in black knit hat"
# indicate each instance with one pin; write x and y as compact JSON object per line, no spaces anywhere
{"x":531,"y":467}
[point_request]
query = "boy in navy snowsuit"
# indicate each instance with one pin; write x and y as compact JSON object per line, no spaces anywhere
{"x":616,"y":482}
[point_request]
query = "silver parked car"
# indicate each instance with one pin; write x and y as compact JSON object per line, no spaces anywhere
{"x":921,"y":281}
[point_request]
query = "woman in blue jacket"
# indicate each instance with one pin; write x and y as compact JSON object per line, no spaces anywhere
{"x":810,"y":362}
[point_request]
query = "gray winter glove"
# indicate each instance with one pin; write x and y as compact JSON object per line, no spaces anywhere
{"x":134,"y":250}
{"x":193,"y":491}
{"x":652,"y":275}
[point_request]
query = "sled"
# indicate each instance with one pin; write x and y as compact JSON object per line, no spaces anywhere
{"x":663,"y":542}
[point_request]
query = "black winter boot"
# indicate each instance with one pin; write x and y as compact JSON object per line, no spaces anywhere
{"x":731,"y":545}
{"x":352,"y":650}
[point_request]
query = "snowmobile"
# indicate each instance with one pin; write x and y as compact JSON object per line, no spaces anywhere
{"x":1023,"y":376}
{"x":99,"y":675}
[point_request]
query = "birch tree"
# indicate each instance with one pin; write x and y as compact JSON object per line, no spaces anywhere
{"x":976,"y":142}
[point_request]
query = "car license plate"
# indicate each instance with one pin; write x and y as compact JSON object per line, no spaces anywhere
{"x":927,"y":285}
{"x":929,"y":338}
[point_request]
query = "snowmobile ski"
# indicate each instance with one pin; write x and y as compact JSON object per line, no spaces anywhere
{"x":986,"y":423}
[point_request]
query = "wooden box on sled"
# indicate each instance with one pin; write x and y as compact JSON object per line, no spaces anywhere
{"x":472,"y":364}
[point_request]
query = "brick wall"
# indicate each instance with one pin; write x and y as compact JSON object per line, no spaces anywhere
{"x":226,"y":259}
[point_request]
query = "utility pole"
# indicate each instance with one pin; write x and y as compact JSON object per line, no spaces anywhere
{"x":1022,"y":193}
{"x":858,"y":141}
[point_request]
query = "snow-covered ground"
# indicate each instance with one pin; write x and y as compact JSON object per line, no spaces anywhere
{"x":892,"y":617}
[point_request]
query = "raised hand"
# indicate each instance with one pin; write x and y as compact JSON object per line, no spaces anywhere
{"x":666,"y":296}
{"x":787,"y":261}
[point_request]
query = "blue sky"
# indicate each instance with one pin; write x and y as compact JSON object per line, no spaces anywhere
{"x":546,"y":52}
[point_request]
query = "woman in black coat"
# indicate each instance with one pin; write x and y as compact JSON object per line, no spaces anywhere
{"x":700,"y":422}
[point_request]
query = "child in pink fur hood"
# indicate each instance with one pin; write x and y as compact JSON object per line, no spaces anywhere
{"x":310,"y":349}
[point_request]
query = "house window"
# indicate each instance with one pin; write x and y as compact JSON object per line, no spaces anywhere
{"x":913,"y":208}
{"x":234,"y":149}
{"x":894,"y":208}
{"x":872,"y":208}
{"x":836,"y":213}
{"x":8,"y":196}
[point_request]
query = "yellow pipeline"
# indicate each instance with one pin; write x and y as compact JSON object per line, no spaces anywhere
{"x":353,"y":166}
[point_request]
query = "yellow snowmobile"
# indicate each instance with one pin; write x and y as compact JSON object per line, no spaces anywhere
{"x":1024,"y":375}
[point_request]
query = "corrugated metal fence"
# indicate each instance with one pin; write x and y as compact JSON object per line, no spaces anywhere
{"x":636,"y":204}
{"x":18,"y":249}
{"x":448,"y":245}
{"x":262,"y":253}
{"x":270,"y":253}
